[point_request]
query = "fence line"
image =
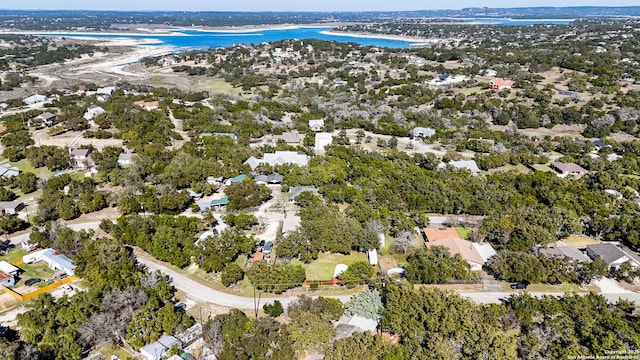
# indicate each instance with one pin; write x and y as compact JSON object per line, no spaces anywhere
{"x":42,"y":290}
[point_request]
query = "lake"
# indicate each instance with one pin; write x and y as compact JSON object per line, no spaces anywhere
{"x":199,"y":39}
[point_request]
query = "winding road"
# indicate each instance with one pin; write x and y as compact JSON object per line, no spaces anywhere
{"x":202,"y":293}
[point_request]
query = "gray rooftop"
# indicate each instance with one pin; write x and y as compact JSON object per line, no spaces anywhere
{"x":294,"y":192}
{"x":567,"y":251}
{"x":610,"y":253}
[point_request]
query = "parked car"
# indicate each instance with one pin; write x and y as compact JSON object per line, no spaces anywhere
{"x":181,"y":306}
{"x":67,"y":288}
{"x":267,"y":248}
{"x":32,"y":281}
{"x":519,"y":286}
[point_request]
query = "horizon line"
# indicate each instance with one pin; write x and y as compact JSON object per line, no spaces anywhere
{"x":330,"y":11}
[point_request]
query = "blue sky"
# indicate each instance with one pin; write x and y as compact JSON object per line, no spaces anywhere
{"x":290,"y":5}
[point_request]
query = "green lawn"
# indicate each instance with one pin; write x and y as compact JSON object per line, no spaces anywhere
{"x":463,"y":232}
{"x":323,"y":267}
{"x":25,"y":166}
{"x":580,"y":241}
{"x":565,"y":287}
{"x":14,"y":256}
{"x":37,"y":270}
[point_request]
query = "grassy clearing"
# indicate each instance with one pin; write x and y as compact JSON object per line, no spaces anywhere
{"x":542,"y":168}
{"x":25,"y":166}
{"x":37,"y":270}
{"x":518,"y":168}
{"x":580,"y":241}
{"x":14,"y":256}
{"x":323,"y":267}
{"x":565,"y":287}
{"x":108,"y":351}
{"x":453,"y":287}
{"x":463,"y":232}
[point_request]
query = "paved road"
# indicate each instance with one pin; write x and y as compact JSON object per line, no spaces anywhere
{"x":16,"y":240}
{"x":496,"y":297}
{"x":202,"y":293}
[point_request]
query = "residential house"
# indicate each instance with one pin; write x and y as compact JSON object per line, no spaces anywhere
{"x":157,"y":350}
{"x":108,"y":90}
{"x":475,"y":255}
{"x":34,"y":99}
{"x":462,"y":164}
{"x":316,"y":125}
{"x":9,"y":269}
{"x":47,"y":119}
{"x":565,"y":251}
{"x":216,"y":204}
{"x":272,"y":179}
{"x":11,"y":207}
{"x":7,"y":279}
{"x":422,"y":132}
{"x":609,"y":253}
{"x":80,"y":157}
{"x":566,"y":169}
{"x":600,"y":144}
{"x":323,"y":139}
{"x":93,"y":111}
{"x":211,"y":180}
{"x":485,"y":250}
{"x":278,"y":158}
{"x":296,"y":191}
{"x":257,"y":257}
{"x":490,"y":72}
{"x":53,"y":259}
{"x":7,"y":171}
{"x":436,"y":234}
{"x":237,"y":179}
{"x":147,"y":105}
{"x":126,"y":159}
{"x":500,"y":84}
{"x":290,"y":138}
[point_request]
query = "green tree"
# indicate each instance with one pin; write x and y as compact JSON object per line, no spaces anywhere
{"x":231,"y":274}
{"x":435,"y":265}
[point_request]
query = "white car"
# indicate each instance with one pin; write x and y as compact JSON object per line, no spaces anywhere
{"x":67,"y":288}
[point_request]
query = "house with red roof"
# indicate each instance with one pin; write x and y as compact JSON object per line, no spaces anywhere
{"x":500,"y":83}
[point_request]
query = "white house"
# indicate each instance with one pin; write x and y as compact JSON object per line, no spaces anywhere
{"x":80,"y":157}
{"x":316,"y":125}
{"x":34,"y":99}
{"x":463,"y":164}
{"x":323,"y":139}
{"x":279,"y":158}
{"x":11,"y":207}
{"x":7,"y":171}
{"x":156,"y":350}
{"x":423,"y":132}
{"x":7,"y":279}
{"x":53,"y":259}
{"x":8,"y":268}
{"x":93,"y":111}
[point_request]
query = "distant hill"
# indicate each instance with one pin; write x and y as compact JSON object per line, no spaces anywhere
{"x":102,"y":20}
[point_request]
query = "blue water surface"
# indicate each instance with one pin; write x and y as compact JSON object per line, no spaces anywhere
{"x":197,"y":39}
{"x":200,"y":39}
